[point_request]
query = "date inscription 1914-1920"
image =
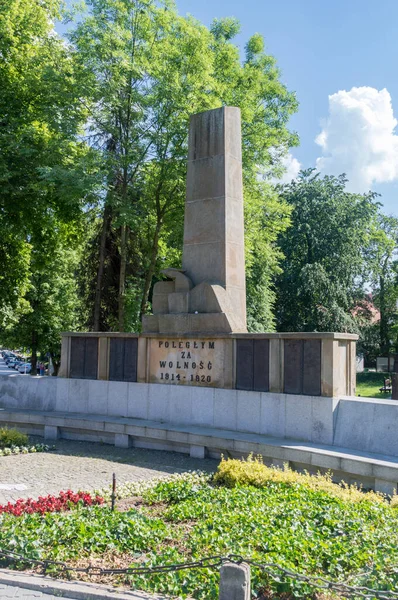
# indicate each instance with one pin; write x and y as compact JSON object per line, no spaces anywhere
{"x":192,"y":362}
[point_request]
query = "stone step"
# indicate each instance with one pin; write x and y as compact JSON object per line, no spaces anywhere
{"x":371,"y":470}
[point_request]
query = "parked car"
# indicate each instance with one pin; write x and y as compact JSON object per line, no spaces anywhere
{"x":25,"y":368}
{"x":11,"y":362}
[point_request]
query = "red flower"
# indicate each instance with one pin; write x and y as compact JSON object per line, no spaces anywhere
{"x":44,"y":504}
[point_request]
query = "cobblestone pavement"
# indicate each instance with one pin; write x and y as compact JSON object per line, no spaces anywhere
{"x":18,"y":593}
{"x":12,"y":591}
{"x":22,"y":586}
{"x":86,"y":466}
{"x":23,"y":593}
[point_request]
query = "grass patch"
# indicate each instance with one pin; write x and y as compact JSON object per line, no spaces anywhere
{"x":369,"y":384}
{"x":303,"y":523}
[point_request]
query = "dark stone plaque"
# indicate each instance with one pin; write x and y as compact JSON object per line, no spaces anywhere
{"x":261,"y":365}
{"x":123,"y":359}
{"x":130,"y":359}
{"x":244,"y":364}
{"x":116,"y":359}
{"x":84,"y":358}
{"x":312,"y":368}
{"x":91,"y":358}
{"x":293,"y":367}
{"x":77,"y":351}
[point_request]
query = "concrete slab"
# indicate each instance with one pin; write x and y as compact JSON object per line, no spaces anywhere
{"x":159,"y":402}
{"x":117,"y":398}
{"x":272,"y":414}
{"x":137,"y":400}
{"x":202,"y":406}
{"x":248,"y":411}
{"x":348,"y":464}
{"x":225,"y":409}
{"x":98,"y":397}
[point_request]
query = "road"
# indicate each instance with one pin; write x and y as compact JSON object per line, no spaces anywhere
{"x":4,"y":370}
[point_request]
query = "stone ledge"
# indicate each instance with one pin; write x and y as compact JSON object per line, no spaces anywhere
{"x":75,"y":590}
{"x":381,"y":469}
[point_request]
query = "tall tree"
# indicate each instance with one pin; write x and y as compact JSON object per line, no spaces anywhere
{"x":141,"y":67}
{"x":144,"y":70}
{"x":325,"y":253}
{"x":383,"y":258}
{"x":45,"y":168}
{"x":54,"y":304}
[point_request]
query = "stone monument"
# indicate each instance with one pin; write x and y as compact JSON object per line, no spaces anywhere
{"x":208,"y":295}
{"x":197,"y":333}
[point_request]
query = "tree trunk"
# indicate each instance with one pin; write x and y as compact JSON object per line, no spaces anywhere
{"x":384,"y":339}
{"x":34,"y":353}
{"x":122,"y":278}
{"x":151,"y":270}
{"x":100,"y":274}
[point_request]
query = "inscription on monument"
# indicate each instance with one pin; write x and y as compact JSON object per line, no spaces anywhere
{"x":189,"y":362}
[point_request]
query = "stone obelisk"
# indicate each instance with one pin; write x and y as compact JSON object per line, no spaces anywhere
{"x":213,"y":228}
{"x":208,"y":295}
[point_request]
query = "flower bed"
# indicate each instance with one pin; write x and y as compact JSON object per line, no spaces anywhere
{"x":306,"y":524}
{"x":25,"y":449}
{"x":44,"y":504}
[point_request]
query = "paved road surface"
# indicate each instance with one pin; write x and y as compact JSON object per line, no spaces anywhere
{"x":4,"y":370}
{"x":19,"y":593}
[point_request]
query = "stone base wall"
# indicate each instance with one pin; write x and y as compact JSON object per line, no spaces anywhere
{"x":308,"y":364}
{"x":363,"y":425}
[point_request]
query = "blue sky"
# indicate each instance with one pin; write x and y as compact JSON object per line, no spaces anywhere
{"x":322,"y":48}
{"x":343,"y":49}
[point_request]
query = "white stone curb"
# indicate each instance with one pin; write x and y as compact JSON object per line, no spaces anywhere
{"x":71,"y":589}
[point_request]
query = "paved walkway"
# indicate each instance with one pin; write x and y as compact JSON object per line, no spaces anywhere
{"x":86,"y":466}
{"x":20,"y":586}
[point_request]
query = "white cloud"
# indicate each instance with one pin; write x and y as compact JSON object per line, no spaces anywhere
{"x":292,"y":166}
{"x":358,"y":138}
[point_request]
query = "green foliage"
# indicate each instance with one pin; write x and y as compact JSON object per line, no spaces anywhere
{"x":30,"y":449}
{"x":233,"y":472}
{"x":81,"y":532}
{"x":266,"y":217}
{"x":93,"y":150}
{"x":254,"y":46}
{"x":12,"y":437}
{"x":308,"y":525}
{"x":383,"y":258}
{"x":45,"y":176}
{"x":325,"y":254}
{"x":225,"y":29}
{"x":143,"y":71}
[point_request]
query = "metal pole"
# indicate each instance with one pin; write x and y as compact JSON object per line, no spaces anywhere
{"x":113,"y":491}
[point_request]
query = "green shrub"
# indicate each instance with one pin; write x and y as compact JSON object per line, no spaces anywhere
{"x":252,"y":471}
{"x":12,"y":437}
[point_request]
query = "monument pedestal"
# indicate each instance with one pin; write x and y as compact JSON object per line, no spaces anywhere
{"x":308,"y":364}
{"x":197,"y":361}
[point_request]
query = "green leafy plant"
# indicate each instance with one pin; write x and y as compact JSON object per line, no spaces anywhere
{"x":304,"y":523}
{"x":12,"y":437}
{"x":30,"y":449}
{"x":252,"y":471}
